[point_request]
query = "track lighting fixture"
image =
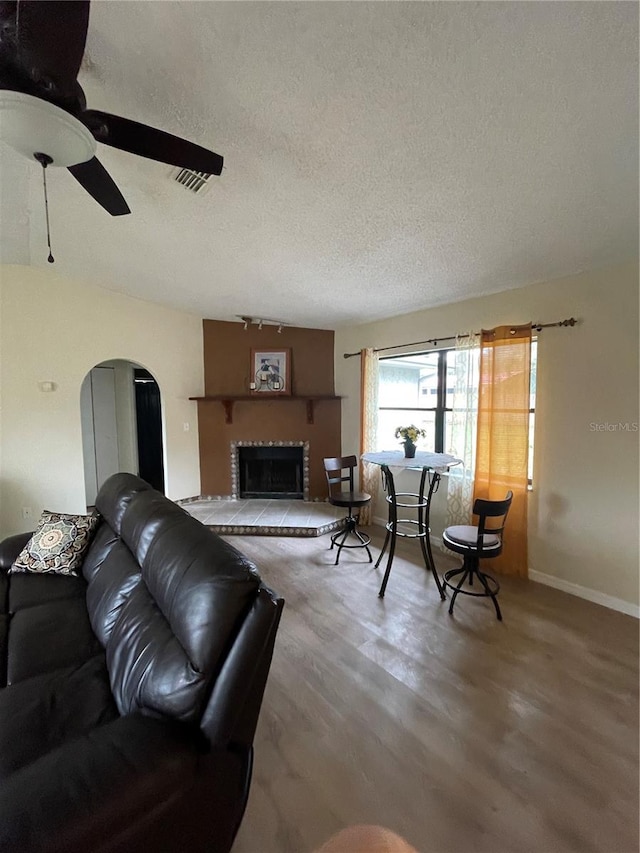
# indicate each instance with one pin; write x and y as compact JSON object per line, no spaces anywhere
{"x":260,"y":322}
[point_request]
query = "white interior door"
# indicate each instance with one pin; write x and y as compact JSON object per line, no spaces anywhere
{"x":88,"y":443}
{"x":99,"y":429}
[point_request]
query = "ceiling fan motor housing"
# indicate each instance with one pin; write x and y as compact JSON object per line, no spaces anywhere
{"x":31,"y":125}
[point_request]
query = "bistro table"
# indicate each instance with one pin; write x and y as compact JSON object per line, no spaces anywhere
{"x":432,"y":466}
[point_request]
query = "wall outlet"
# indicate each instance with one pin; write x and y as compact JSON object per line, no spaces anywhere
{"x":27,"y":513}
{"x":185,"y":427}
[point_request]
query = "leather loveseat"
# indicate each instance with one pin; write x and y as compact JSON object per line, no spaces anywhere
{"x":130,"y":695}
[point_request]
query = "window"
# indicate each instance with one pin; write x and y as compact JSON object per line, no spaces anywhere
{"x":414,"y":389}
{"x":419,"y":389}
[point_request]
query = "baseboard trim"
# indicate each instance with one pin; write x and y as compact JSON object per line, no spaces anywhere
{"x":585,"y":592}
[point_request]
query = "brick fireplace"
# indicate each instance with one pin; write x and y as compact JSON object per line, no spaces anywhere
{"x":230,"y":418}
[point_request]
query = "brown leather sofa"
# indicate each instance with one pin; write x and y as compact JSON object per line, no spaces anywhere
{"x":130,"y":695}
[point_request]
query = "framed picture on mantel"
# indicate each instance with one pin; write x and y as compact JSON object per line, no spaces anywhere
{"x":270,"y":371}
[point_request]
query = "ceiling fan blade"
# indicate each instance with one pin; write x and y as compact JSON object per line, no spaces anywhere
{"x":93,"y":176}
{"x":50,"y":39}
{"x":8,"y":15}
{"x":148,"y":142}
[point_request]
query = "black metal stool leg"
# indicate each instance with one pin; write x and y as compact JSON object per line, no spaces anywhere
{"x":391,"y":537}
{"x":384,"y":548}
{"x":470,"y":569}
{"x":491,"y":594}
{"x":340,"y":538}
{"x":341,"y":534}
{"x":465,"y":571}
{"x":385,"y":579}
{"x":365,"y":543}
{"x":427,"y":554}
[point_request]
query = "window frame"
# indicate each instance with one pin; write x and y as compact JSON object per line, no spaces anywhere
{"x":441,"y":409}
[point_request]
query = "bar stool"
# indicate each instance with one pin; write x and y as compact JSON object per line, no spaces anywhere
{"x":346,"y":498}
{"x":476,"y":543}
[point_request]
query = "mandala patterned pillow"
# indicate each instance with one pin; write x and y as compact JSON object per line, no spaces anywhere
{"x":58,"y":544}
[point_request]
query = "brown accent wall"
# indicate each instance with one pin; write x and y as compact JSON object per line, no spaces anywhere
{"x":227,"y":355}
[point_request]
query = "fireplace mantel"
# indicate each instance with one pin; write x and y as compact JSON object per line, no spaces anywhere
{"x":228,"y":401}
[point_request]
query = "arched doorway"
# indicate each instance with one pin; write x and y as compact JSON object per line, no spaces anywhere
{"x":121,"y":414}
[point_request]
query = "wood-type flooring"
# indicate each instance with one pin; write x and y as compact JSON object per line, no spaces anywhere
{"x":460,"y":733}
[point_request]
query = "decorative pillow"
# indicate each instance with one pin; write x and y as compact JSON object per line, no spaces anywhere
{"x":58,"y":544}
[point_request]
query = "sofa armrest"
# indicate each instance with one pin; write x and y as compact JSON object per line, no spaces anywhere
{"x":91,"y":793}
{"x":11,"y":547}
{"x":232,"y":713}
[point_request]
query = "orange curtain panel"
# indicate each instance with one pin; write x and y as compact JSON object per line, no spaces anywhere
{"x":503,"y":435}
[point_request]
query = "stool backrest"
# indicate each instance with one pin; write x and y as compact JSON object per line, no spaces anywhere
{"x":334,"y":467}
{"x":497,"y":511}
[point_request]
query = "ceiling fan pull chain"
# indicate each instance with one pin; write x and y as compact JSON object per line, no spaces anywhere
{"x":44,"y":161}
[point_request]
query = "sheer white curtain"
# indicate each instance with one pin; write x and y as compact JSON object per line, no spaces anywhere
{"x":463,"y":422}
{"x":369,"y":375}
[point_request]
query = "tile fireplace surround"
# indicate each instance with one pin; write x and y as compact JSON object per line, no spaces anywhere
{"x":235,"y":464}
{"x":228,"y":514}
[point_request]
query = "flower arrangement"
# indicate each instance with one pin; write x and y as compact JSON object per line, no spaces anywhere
{"x":410,"y":433}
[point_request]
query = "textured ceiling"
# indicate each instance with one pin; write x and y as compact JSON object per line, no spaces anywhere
{"x":379,"y":157}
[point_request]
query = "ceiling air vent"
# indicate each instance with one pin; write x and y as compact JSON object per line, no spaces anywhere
{"x":194,"y":181}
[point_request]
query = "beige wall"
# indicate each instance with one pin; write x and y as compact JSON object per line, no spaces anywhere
{"x":583,"y":514}
{"x":55,"y":329}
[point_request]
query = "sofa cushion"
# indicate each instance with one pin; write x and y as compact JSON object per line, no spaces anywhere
{"x":49,"y":636}
{"x":174,"y":629}
{"x":111,"y":584}
{"x":103,"y":543}
{"x":115,"y":495}
{"x":28,"y":590}
{"x":4,"y":641}
{"x":124,"y":786}
{"x":58,"y":544}
{"x":10,"y":548}
{"x":43,"y":712}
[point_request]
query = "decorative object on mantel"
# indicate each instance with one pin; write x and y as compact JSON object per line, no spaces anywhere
{"x":260,"y":322}
{"x":410,"y":435}
{"x":270,"y":371}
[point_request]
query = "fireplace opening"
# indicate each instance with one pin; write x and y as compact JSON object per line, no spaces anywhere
{"x":271,"y":472}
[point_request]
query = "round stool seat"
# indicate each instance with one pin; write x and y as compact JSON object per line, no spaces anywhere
{"x":350,"y":499}
{"x":466,"y":536}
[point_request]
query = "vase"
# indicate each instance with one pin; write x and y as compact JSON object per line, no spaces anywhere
{"x":409,"y":449}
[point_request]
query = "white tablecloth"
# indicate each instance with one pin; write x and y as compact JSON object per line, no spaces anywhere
{"x":396,"y":460}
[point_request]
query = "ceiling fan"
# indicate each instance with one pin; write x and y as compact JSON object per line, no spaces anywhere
{"x":43,"y":112}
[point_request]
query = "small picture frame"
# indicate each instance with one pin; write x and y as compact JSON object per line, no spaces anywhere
{"x":270,"y":371}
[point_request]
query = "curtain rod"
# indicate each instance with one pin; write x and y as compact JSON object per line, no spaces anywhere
{"x":534,"y":326}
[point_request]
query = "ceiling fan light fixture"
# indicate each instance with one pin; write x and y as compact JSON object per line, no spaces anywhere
{"x":30,"y":125}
